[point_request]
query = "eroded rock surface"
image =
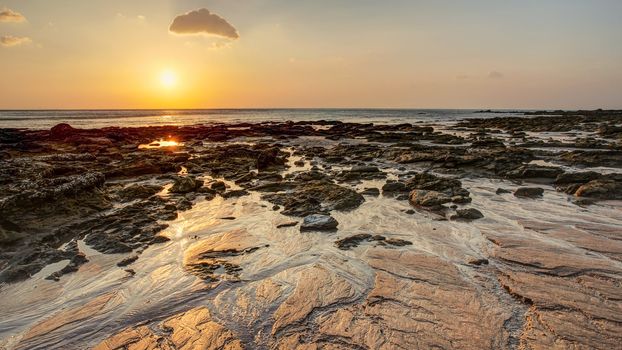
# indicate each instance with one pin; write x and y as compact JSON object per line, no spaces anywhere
{"x":217,"y":262}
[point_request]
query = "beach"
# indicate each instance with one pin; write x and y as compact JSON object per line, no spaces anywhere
{"x":334,"y":229}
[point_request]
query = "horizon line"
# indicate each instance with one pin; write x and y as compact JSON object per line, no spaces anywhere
{"x":305,"y":108}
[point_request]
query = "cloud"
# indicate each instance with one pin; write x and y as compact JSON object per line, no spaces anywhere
{"x":8,"y":15}
{"x":9,"y":40}
{"x":203,"y":22}
{"x":495,"y":75}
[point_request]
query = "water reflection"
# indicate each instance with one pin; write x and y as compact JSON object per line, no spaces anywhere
{"x":161,"y":143}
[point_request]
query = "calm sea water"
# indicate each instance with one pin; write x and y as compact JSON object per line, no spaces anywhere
{"x":44,"y":119}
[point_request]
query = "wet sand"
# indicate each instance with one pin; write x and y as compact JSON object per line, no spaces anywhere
{"x":481,"y":234}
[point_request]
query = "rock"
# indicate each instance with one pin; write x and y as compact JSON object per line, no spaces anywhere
{"x":74,"y":264}
{"x":127,"y":261}
{"x":185,"y":185}
{"x":136,"y":191}
{"x":427,"y":181}
{"x":364,"y":169}
{"x":218,"y":186}
{"x":461,"y":199}
{"x":529,"y":192}
{"x":318,"y":222}
{"x":192,"y":329}
{"x":502,"y":191}
{"x":478,"y":262}
{"x":313,"y":197}
{"x":467,"y":214}
{"x":423,"y":198}
{"x":352,"y":241}
{"x":488,"y":143}
{"x":577,"y":177}
{"x":393,"y":187}
{"x":61,"y":131}
{"x":235,"y":194}
{"x":160,"y":239}
{"x":601,"y":189}
{"x":268,"y":158}
{"x":397,"y":242}
{"x":371,"y":192}
{"x":531,"y":171}
{"x":184,"y":204}
{"x":287,"y":224}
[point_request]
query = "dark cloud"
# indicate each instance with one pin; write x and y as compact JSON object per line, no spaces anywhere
{"x":203,"y":22}
{"x":8,"y":15}
{"x":495,"y":75}
{"x":9,"y":40}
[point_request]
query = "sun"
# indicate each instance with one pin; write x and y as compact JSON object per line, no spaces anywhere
{"x":168,"y":79}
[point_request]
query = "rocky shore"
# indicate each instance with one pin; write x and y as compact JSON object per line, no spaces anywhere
{"x":527,"y":282}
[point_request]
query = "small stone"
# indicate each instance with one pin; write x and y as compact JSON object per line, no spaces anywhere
{"x":185,"y":185}
{"x":127,"y":261}
{"x":287,"y":224}
{"x":218,"y":186}
{"x":467,"y":214}
{"x":398,"y":242}
{"x":160,"y":239}
{"x":478,"y":262}
{"x":371,"y":192}
{"x":529,"y":192}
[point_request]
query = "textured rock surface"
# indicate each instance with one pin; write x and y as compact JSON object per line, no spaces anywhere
{"x":235,"y":272}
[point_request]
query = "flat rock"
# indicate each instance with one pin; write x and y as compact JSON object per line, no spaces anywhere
{"x":529,"y":192}
{"x":318,"y":222}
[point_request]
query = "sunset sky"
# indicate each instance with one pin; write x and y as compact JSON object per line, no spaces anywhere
{"x":284,"y":53}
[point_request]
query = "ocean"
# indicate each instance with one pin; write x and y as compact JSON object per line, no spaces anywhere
{"x":45,"y":119}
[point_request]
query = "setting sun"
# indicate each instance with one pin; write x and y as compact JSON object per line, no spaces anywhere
{"x":168,"y":79}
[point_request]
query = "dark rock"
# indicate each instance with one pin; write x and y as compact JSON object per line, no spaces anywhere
{"x":318,"y":222}
{"x":529,"y":192}
{"x":478,"y":262}
{"x":531,"y":171}
{"x":601,"y":189}
{"x":185,"y":185}
{"x":287,"y":224}
{"x":127,"y":261}
{"x":371,"y":192}
{"x":136,"y":191}
{"x":73,"y":266}
{"x":218,"y":186}
{"x":467,"y":214}
{"x":61,"y":131}
{"x":424,"y":198}
{"x":235,"y":194}
{"x":352,"y":241}
{"x":502,"y":191}
{"x":160,"y":239}
{"x":316,"y":196}
{"x":397,"y":242}
{"x":393,"y":187}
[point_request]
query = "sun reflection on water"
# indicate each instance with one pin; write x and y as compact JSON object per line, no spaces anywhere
{"x":161,"y":143}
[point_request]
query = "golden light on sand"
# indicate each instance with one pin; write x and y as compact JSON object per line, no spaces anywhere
{"x":168,"y":79}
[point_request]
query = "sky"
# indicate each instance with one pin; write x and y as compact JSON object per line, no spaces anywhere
{"x":74,"y":54}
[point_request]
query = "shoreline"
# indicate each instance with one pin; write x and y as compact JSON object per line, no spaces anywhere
{"x":74,"y":196}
